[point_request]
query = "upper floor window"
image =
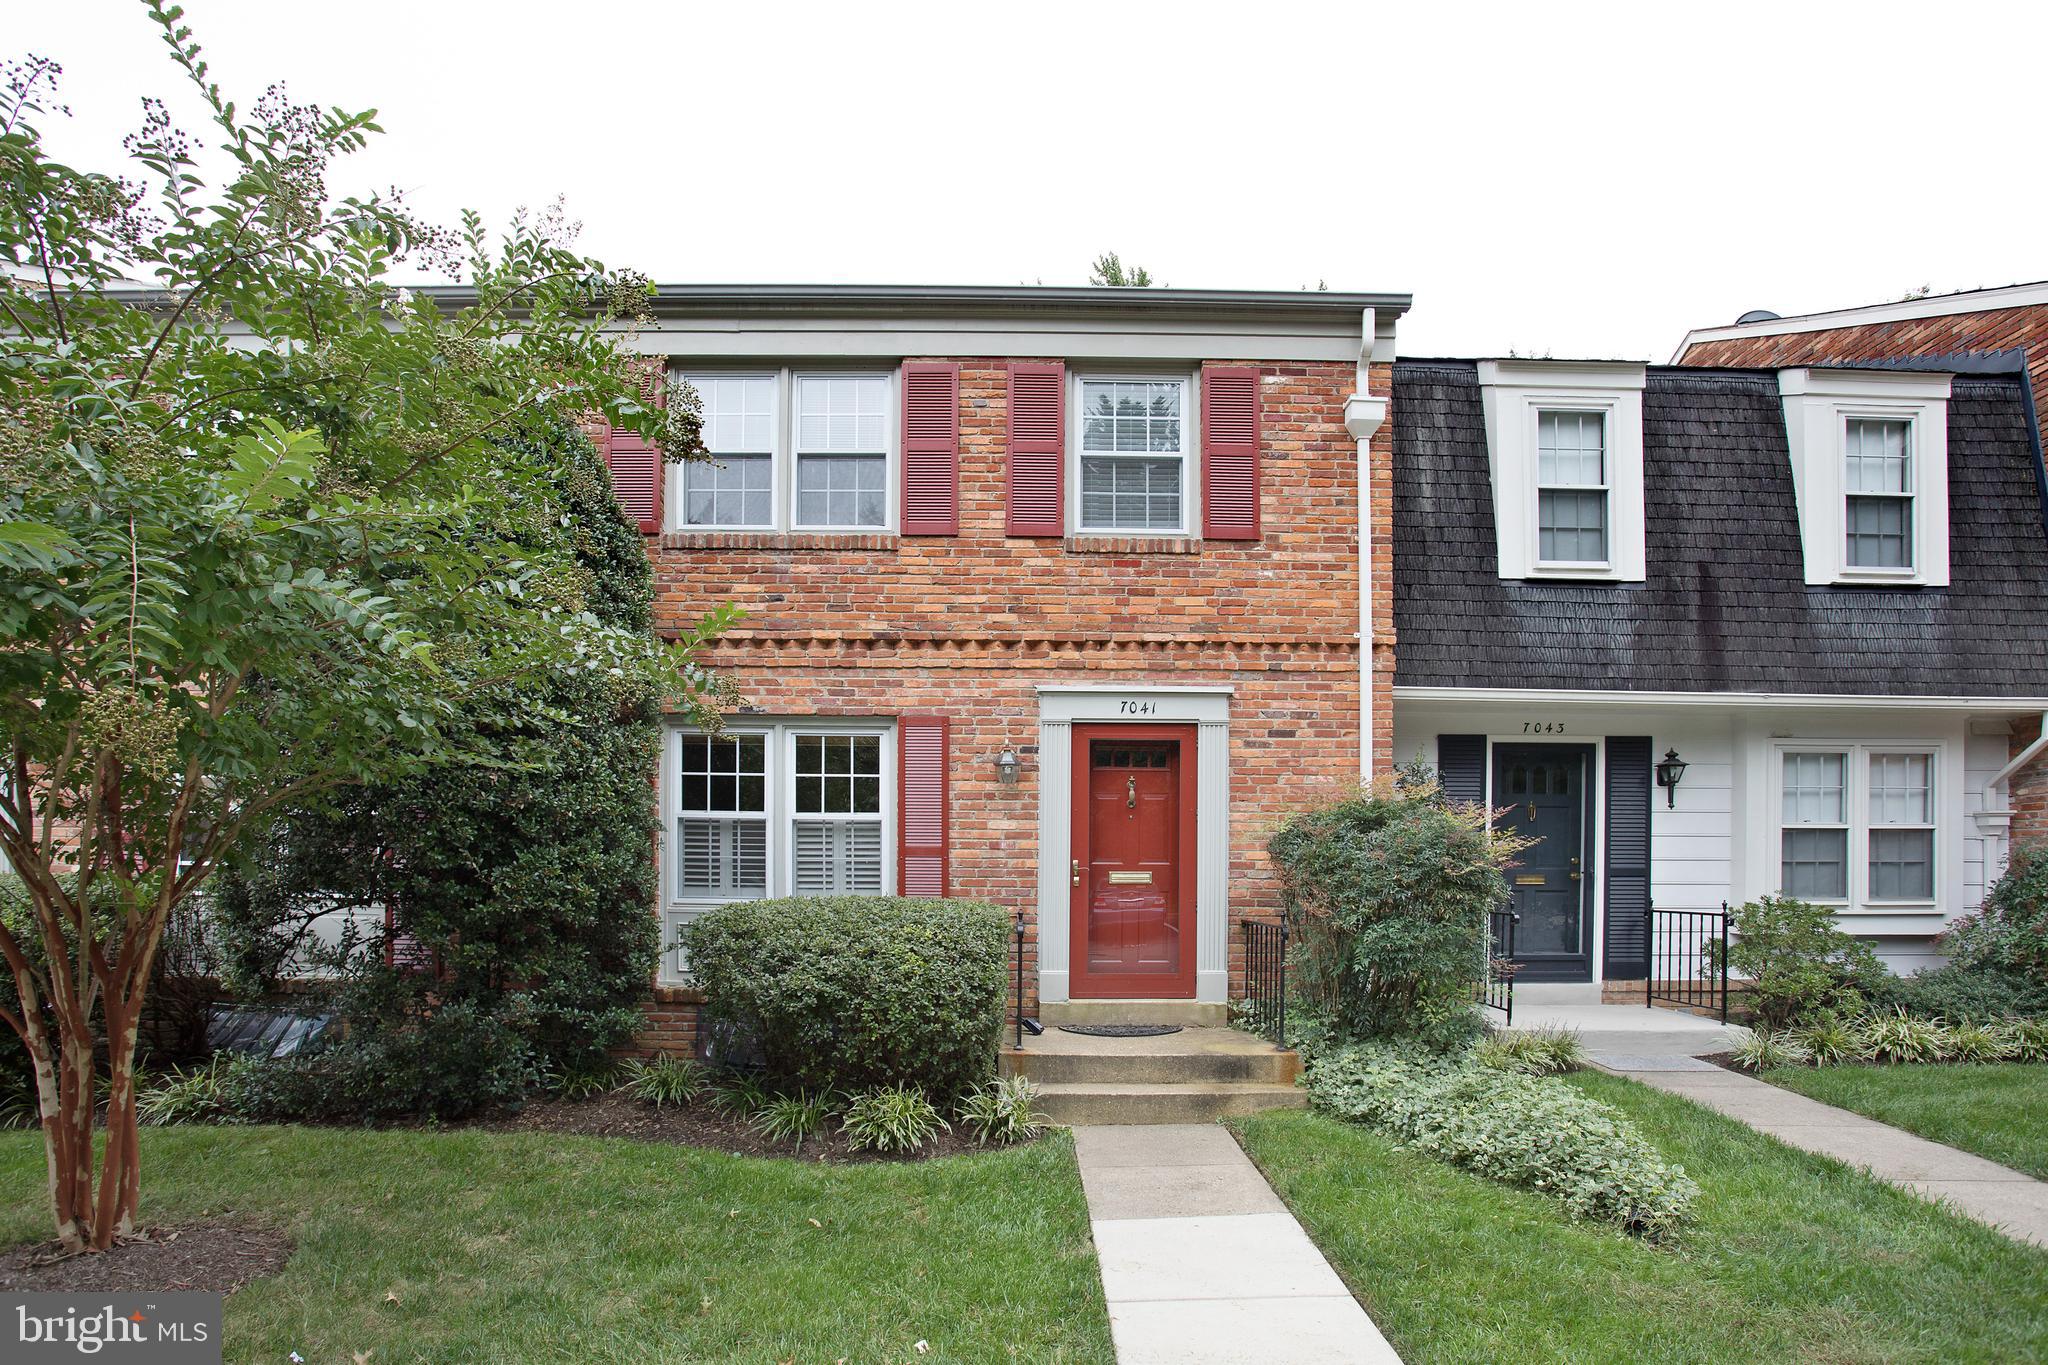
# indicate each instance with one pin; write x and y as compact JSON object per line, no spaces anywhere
{"x":1135,"y":474}
{"x":792,"y":450}
{"x":1878,"y":515}
{"x":1869,"y":455}
{"x":1564,"y":444}
{"x":1571,"y":488}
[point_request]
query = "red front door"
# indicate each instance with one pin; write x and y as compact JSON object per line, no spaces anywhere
{"x":1134,"y":895}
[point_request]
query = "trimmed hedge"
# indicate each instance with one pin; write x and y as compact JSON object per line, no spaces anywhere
{"x":1535,"y":1132}
{"x":854,"y":992}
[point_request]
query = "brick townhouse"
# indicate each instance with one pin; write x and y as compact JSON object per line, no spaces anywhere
{"x":1054,"y":597}
{"x":1979,"y":331}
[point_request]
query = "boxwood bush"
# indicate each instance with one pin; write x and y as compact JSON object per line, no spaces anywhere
{"x":853,"y":992}
{"x":1533,"y":1131}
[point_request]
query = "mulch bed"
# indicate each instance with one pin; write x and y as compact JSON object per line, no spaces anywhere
{"x":621,"y":1116}
{"x":219,"y":1255}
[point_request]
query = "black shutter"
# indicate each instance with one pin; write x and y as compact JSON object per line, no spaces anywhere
{"x":1461,"y":766}
{"x":1628,"y":857}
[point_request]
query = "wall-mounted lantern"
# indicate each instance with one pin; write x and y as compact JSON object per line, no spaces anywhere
{"x":1669,"y":773}
{"x":1006,"y":767}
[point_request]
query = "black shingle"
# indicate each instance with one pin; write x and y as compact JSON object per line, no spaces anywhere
{"x":1725,"y":607}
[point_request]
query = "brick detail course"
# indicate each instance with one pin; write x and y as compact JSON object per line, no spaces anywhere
{"x":967,"y":626}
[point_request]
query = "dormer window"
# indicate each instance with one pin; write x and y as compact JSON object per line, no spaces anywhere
{"x":1870,"y":468}
{"x":1564,"y":440}
{"x":1571,"y":488}
{"x":1879,"y":511}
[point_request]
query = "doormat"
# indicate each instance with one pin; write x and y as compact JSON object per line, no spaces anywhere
{"x":1121,"y":1030}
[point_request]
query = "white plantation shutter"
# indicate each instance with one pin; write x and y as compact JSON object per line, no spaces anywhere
{"x":837,"y":858}
{"x":722,"y":857}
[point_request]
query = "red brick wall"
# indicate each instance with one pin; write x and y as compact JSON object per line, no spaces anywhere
{"x":2029,"y":787}
{"x":1997,"y":329}
{"x":967,"y":626}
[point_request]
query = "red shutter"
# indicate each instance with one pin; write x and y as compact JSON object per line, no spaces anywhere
{"x":931,"y":448}
{"x":1230,"y":452}
{"x":921,"y":786}
{"x":636,"y":465}
{"x":1038,"y":448}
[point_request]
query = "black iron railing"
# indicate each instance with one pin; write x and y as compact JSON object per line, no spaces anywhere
{"x":1497,"y":985}
{"x":1264,"y":1008}
{"x":1688,"y":959}
{"x":1020,"y":979}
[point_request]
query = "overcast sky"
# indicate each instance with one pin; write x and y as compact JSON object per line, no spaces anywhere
{"x":1573,"y":182}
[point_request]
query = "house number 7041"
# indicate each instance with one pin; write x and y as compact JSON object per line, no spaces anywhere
{"x":1137,"y":708}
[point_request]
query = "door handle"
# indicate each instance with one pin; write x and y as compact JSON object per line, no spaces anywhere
{"x":1077,"y":871}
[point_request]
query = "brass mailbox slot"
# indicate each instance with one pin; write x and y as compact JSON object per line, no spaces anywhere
{"x":1130,"y":879}
{"x":1536,"y":880}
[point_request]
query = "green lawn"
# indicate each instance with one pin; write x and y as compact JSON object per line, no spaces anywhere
{"x":1789,"y":1258}
{"x":1998,"y":1110}
{"x":527,"y":1247}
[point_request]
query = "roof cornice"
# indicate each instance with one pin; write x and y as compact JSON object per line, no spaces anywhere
{"x":1902,"y":310}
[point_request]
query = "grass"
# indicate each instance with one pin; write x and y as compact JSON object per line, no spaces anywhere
{"x":529,"y":1247}
{"x":1789,"y":1258}
{"x":1998,"y":1110}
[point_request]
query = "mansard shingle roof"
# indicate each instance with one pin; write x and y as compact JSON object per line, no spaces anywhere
{"x":1725,"y":607}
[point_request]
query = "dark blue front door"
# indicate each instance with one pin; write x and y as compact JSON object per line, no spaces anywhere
{"x":1544,"y":791}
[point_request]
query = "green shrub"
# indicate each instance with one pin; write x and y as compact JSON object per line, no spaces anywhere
{"x":198,"y":1094}
{"x":892,"y":1118}
{"x":792,"y":1118}
{"x":1545,"y":1051}
{"x":1831,"y":1042}
{"x":852,"y":992}
{"x":2027,"y":1039}
{"x":1895,"y":1036}
{"x":451,"y":1064}
{"x":1958,"y":992}
{"x":1796,"y":964}
{"x":1535,"y":1132}
{"x":2009,"y":933}
{"x":584,"y":1082}
{"x":1387,"y":892}
{"x":664,"y":1079}
{"x":1976,"y":1043}
{"x":1766,"y":1050}
{"x":1003,"y":1111}
{"x":737,"y":1094}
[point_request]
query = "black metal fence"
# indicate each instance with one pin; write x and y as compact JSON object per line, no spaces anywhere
{"x":1264,"y":1008}
{"x":1497,"y":986}
{"x":1020,"y":979}
{"x":1688,"y":959}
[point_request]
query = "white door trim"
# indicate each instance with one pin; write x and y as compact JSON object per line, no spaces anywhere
{"x":1060,"y":708}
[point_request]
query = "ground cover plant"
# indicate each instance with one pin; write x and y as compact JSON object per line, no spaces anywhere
{"x":1786,"y":1256}
{"x":1998,"y":1111}
{"x":539,"y":1246}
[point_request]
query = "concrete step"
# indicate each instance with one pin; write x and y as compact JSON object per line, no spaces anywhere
{"x":1192,"y":1056}
{"x":1077,"y":1104}
{"x":1213,"y":1014}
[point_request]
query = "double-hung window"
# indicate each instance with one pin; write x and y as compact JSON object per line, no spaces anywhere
{"x":1878,"y":488}
{"x":1135,"y":473}
{"x":1571,"y":488}
{"x":801,"y":807}
{"x":1857,"y":825}
{"x":791,"y":450}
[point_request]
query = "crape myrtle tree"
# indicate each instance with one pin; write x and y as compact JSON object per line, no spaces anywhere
{"x":265,"y":533}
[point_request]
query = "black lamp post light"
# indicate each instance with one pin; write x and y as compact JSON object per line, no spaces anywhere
{"x":1669,"y":773}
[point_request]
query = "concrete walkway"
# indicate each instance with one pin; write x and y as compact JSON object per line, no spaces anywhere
{"x":1202,"y":1263}
{"x":2015,"y":1204}
{"x":1631,"y":1030}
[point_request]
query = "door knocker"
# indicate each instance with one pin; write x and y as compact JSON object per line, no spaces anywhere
{"x":1532,"y":812}
{"x":1131,"y":792}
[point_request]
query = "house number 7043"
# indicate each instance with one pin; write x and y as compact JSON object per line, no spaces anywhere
{"x":1137,"y":708}
{"x":1542,"y":727}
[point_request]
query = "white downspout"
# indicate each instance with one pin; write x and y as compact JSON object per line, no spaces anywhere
{"x":1364,"y":411}
{"x":1995,"y":819}
{"x":2019,"y":761}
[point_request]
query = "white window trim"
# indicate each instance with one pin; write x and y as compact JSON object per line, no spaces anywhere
{"x":779,"y":802}
{"x":1575,"y":567}
{"x":782,"y":459}
{"x":1856,"y":796}
{"x":1190,"y":450}
{"x":1514,"y":395}
{"x":1819,"y":405}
